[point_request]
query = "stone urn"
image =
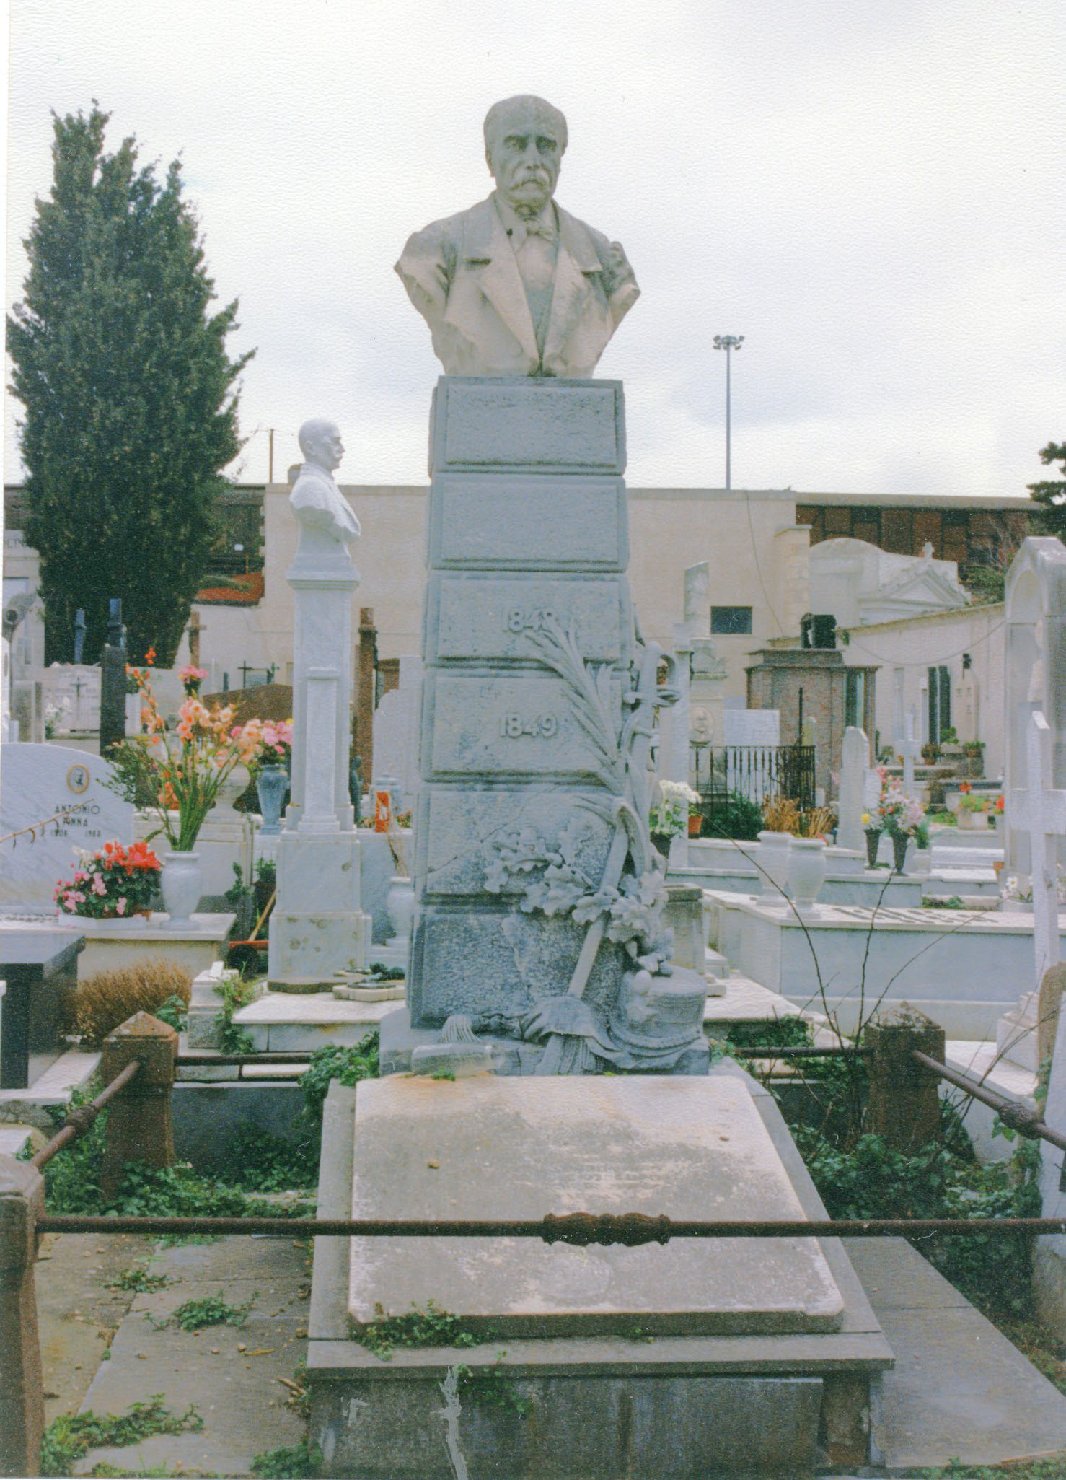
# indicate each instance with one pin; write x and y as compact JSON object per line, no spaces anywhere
{"x":271,"y":786}
{"x":900,"y":843}
{"x":873,"y":841}
{"x":806,"y":871}
{"x":772,"y":866}
{"x":400,"y":903}
{"x":181,"y":884}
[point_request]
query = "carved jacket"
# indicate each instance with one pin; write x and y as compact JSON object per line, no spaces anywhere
{"x":462,"y":276}
{"x":319,"y":505}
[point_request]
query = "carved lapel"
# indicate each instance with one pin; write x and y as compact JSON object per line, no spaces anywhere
{"x":577,"y":257}
{"x":486,"y":249}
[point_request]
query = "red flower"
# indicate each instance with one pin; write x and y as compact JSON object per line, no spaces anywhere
{"x":149,"y":656}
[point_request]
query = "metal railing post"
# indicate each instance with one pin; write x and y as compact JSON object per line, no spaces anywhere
{"x":139,"y":1125}
{"x":21,"y":1381}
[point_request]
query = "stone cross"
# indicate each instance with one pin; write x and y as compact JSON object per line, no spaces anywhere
{"x":909,"y":749}
{"x":1040,"y":811}
{"x":855,"y":753}
{"x":79,"y":633}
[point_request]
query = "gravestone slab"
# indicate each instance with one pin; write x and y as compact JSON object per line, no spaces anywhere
{"x":40,"y":968}
{"x":41,"y":781}
{"x":751,"y":727}
{"x":484,"y":1147}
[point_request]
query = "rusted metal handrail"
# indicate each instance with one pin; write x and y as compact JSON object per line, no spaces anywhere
{"x":568,"y":1228}
{"x":1021,"y":1118}
{"x":799,"y":1051}
{"x":266,"y":1058}
{"x":80,"y":1119}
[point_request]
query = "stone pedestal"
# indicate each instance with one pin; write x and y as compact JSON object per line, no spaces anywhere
{"x":318,"y":926}
{"x":531,"y":667}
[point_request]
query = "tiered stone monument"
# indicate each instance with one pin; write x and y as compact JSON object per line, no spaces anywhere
{"x":539,"y":950}
{"x":539,"y":894}
{"x":318,"y":926}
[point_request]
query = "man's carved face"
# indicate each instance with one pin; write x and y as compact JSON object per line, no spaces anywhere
{"x":326,"y":448}
{"x":524,"y":155}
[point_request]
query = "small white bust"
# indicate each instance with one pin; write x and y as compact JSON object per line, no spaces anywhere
{"x":316,"y":500}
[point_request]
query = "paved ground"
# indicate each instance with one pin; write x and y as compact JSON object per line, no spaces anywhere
{"x":231,"y":1373}
{"x":960,"y":1389}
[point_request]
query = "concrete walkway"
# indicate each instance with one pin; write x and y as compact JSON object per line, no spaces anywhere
{"x":959,"y":1388}
{"x":231,"y":1373}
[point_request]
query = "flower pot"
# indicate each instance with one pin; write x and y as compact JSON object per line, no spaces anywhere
{"x":661,"y":843}
{"x":103,"y":924}
{"x":695,"y":824}
{"x":1016,"y":906}
{"x":873,"y":839}
{"x":972,"y":821}
{"x":181,"y":884}
{"x":772,"y":865}
{"x":806,"y":871}
{"x":899,"y":851}
{"x":271,"y":786}
{"x":400,"y":903}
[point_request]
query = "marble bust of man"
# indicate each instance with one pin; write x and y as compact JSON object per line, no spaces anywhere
{"x":322,"y":510}
{"x":516,"y":285}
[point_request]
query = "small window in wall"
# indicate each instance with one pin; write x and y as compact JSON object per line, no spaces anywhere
{"x":854,"y":697}
{"x":730,"y":621}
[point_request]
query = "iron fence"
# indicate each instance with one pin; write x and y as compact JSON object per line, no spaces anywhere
{"x":756,"y":772}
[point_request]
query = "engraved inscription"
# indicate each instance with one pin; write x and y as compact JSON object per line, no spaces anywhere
{"x":514,"y":726}
{"x":495,"y":724}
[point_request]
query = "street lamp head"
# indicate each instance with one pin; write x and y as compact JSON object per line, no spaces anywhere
{"x":728,"y":341}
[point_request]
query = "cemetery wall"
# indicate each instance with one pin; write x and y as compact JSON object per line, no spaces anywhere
{"x":906,"y":650}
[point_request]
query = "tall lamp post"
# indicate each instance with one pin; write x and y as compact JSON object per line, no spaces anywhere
{"x":728,"y":342}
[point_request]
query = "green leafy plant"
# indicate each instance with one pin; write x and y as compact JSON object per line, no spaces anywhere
{"x":209,"y":1310}
{"x":870,"y":1180}
{"x":733,"y":816}
{"x":72,"y":1435}
{"x":266,"y":872}
{"x":236,"y":992}
{"x":259,"y":1161}
{"x":346,"y":1065}
{"x":492,"y":1387}
{"x":139,"y":1280}
{"x":429,"y":1326}
{"x":783,"y":1032}
{"x":175,"y":1011}
{"x":301,"y":1461}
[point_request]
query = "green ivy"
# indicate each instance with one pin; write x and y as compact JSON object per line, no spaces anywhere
{"x":72,"y":1435}
{"x":301,"y":1461}
{"x":870,"y":1180}
{"x":346,"y":1065}
{"x":428,"y":1326}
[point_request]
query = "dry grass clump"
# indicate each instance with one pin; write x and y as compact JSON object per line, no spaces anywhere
{"x":781,"y":814}
{"x":102,"y":1001}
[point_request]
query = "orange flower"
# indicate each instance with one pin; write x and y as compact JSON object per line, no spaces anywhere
{"x":149,"y":656}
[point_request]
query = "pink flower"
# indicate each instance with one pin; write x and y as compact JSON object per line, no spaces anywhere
{"x":120,"y":906}
{"x":80,"y":876}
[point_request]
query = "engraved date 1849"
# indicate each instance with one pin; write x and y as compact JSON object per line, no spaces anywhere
{"x":540,"y":726}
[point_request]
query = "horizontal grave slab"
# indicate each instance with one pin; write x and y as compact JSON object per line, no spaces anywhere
{"x":491,"y":1148}
{"x":505,"y":725}
{"x":491,"y":617}
{"x":459,"y":832}
{"x":481,"y":422}
{"x":527,"y":523}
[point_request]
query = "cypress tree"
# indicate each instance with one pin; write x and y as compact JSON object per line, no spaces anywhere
{"x":1051,"y":495}
{"x":130,"y":397}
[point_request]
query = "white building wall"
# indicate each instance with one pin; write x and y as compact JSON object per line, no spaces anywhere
{"x":905,"y":651}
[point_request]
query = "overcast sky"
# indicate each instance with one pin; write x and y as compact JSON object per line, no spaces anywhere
{"x":871,"y":193}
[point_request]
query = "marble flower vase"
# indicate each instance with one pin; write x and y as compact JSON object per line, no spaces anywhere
{"x":181,"y":883}
{"x":271,"y":786}
{"x":806,"y":871}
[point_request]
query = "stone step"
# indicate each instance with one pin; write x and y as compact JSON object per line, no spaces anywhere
{"x":51,"y":1092}
{"x":15,"y":1138}
{"x":294,"y":1022}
